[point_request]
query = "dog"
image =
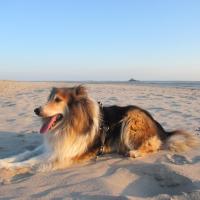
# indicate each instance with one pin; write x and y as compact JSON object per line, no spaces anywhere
{"x":76,"y":129}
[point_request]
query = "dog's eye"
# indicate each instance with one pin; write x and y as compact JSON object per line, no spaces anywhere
{"x":57,"y":100}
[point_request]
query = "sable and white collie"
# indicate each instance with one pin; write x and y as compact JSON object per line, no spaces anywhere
{"x":76,"y":128}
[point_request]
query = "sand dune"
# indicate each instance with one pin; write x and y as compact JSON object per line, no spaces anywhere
{"x":159,"y":176}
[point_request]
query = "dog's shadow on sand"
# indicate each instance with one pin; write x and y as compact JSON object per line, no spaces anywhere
{"x":12,"y":144}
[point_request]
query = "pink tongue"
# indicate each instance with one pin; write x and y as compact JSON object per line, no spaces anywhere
{"x":47,"y":125}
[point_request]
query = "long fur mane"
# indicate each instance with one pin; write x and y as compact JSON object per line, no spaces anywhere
{"x":79,"y":130}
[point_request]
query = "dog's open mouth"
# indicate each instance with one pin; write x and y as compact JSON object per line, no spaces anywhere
{"x":50,"y":122}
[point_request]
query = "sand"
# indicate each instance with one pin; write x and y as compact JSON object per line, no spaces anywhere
{"x":163,"y":175}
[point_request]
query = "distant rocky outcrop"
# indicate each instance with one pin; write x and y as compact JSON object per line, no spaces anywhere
{"x":132,"y":80}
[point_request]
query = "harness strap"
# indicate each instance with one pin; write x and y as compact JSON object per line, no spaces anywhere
{"x":104,"y":130}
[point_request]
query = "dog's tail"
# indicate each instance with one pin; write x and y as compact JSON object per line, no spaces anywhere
{"x":179,"y":141}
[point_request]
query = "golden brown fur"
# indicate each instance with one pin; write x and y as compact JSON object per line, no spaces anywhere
{"x":131,"y":131}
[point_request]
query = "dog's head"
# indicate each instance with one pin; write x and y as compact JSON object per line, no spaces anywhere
{"x":58,"y":107}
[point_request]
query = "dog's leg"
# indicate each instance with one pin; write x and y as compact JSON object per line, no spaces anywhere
{"x":139,"y":134}
{"x":151,"y":145}
{"x":30,"y":163}
{"x":10,"y":170}
{"x":23,"y":156}
{"x":54,"y":164}
{"x":19,"y":160}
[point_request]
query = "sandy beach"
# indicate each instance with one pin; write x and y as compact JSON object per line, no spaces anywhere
{"x":163,"y":175}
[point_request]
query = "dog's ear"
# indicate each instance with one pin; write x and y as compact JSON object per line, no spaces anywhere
{"x":80,"y":90}
{"x":53,"y":91}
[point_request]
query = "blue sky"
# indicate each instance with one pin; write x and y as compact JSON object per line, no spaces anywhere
{"x":100,"y":40}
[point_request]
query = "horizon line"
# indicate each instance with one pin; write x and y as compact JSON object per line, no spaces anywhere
{"x":88,"y":81}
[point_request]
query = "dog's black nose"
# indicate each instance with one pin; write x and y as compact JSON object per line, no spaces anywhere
{"x":37,"y":111}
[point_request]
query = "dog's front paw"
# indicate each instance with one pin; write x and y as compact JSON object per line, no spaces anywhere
{"x":4,"y":164}
{"x":45,"y":167}
{"x":134,"y":154}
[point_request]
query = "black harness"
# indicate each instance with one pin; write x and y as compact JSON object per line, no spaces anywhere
{"x":104,"y":130}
